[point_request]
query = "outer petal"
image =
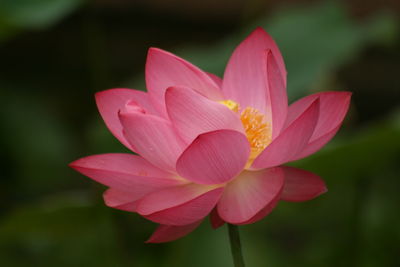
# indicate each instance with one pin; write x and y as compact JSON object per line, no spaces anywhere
{"x":153,"y":138}
{"x":333,"y":108}
{"x":301,"y":185}
{"x":255,"y":76}
{"x":124,"y":172}
{"x":180,"y":205}
{"x":216,"y":79}
{"x":291,"y":141}
{"x":123,"y":200}
{"x":215,"y":220}
{"x":265,"y":211}
{"x":109,"y":102}
{"x":171,"y":197}
{"x":214,"y":157}
{"x":167,"y":233}
{"x":164,"y":70}
{"x":277,"y":101}
{"x":193,"y":114}
{"x":317,"y":144}
{"x":190,"y":212}
{"x":248,"y":194}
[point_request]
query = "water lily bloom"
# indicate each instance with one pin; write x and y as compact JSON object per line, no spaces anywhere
{"x":211,"y":146}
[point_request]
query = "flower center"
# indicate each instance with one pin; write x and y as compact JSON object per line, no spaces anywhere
{"x":258,"y":131}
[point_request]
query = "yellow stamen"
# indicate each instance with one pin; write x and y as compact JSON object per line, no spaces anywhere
{"x":232,"y":105}
{"x":258,"y":132}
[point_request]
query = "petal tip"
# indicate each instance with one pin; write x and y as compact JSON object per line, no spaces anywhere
{"x":260,"y":30}
{"x":153,"y":49}
{"x":170,"y":90}
{"x":72,"y":165}
{"x":98,"y":95}
{"x":324,"y":190}
{"x":346,"y":95}
{"x":151,"y":240}
{"x":301,"y":185}
{"x":215,"y":220}
{"x":76,"y":164}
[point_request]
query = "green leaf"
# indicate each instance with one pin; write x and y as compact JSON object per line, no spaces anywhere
{"x":17,"y":15}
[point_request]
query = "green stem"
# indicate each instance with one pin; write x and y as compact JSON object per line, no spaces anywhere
{"x":236,"y":247}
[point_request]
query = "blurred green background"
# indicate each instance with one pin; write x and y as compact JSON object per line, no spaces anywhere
{"x":55,"y":54}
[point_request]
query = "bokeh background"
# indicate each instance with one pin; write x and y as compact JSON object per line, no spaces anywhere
{"x":55,"y":54}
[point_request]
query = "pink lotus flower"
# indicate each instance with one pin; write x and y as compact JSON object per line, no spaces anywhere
{"x":212,"y":146}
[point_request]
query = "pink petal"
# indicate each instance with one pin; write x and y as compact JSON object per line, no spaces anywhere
{"x":214,"y":157}
{"x":291,"y":141}
{"x":124,"y":172}
{"x":246,"y":80}
{"x":109,"y":102}
{"x":216,"y":221}
{"x":248,"y":194}
{"x":193,"y":114}
{"x":122,"y":200}
{"x":171,"y":197}
{"x":216,"y":79}
{"x":167,"y":233}
{"x":180,"y":205}
{"x":164,"y":70}
{"x":265,"y":211}
{"x":276,"y":95}
{"x":317,"y":144}
{"x":153,"y":138}
{"x":301,"y":185}
{"x":333,"y":109}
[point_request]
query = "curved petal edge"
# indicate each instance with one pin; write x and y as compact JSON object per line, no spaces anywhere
{"x":301,"y":185}
{"x":167,"y":233}
{"x":215,"y":157}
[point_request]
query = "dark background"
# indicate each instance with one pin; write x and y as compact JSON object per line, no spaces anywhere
{"x":55,"y":54}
